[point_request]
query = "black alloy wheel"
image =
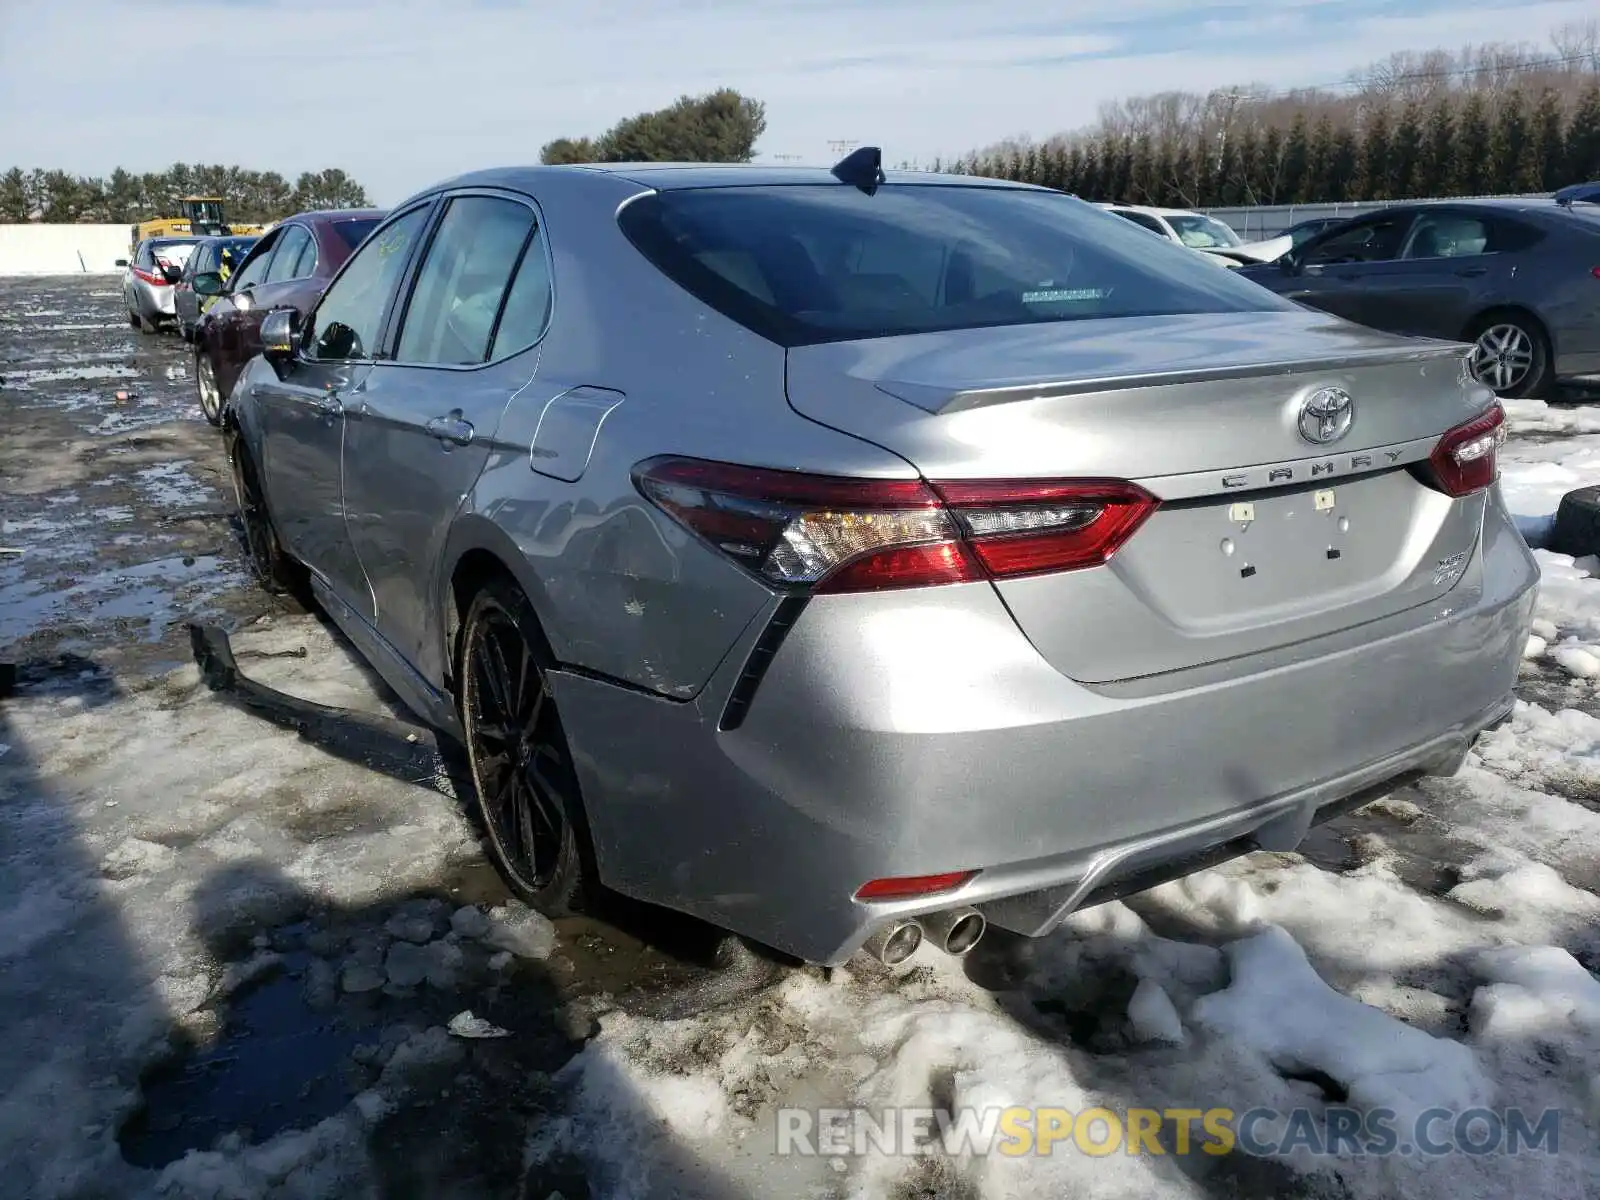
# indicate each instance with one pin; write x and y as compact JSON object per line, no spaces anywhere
{"x":521,"y":767}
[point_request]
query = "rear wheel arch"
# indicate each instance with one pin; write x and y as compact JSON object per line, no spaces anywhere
{"x":1501,"y":311}
{"x":477,"y":553}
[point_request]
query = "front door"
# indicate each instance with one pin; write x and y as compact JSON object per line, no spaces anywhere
{"x":304,"y":408}
{"x":424,"y":426}
{"x":1334,"y":268}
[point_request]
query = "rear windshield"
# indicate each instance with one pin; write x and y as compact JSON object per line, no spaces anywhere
{"x":816,"y":263}
{"x":353,"y":232}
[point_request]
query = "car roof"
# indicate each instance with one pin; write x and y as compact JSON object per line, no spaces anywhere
{"x":1154,"y":210}
{"x":329,"y":216}
{"x":664,"y":176}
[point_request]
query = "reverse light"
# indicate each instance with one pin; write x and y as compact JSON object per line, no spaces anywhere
{"x":1464,"y":461}
{"x":833,"y":534}
{"x":909,"y":887}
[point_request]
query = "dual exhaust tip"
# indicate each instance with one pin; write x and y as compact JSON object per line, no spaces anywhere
{"x":955,"y":932}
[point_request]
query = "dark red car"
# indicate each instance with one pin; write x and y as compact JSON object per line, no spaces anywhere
{"x":287,"y":268}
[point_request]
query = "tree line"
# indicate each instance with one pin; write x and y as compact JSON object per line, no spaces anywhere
{"x":1492,"y":119}
{"x":124,"y":197}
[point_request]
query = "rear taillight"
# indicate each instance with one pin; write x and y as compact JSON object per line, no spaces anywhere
{"x":150,"y":276}
{"x":1464,"y":460}
{"x":831,"y":534}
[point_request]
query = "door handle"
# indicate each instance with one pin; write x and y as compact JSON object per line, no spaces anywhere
{"x":1473,"y":272}
{"x":452,"y":428}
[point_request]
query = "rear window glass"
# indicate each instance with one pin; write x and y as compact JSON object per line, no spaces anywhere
{"x":353,"y":233}
{"x":816,"y":263}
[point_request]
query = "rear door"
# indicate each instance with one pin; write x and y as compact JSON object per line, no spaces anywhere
{"x":303,"y":407}
{"x":1452,"y":261}
{"x":423,"y":426}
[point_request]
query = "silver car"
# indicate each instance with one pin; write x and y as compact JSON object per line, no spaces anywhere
{"x":149,"y":278}
{"x":848,"y":560}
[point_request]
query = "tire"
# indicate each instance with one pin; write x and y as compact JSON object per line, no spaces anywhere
{"x":133,"y":319}
{"x":518,"y":757}
{"x":206,"y":390}
{"x":277,"y":573}
{"x":146,"y":325}
{"x":1577,"y":526}
{"x":1511,"y":354}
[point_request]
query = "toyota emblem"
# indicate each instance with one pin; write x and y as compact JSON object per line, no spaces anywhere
{"x":1326,"y":415}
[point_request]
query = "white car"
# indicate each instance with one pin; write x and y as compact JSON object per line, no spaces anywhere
{"x":1194,"y":230}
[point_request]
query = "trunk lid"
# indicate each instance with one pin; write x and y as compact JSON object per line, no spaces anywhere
{"x":1263,"y":538}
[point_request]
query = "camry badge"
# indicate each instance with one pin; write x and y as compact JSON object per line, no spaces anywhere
{"x":1326,"y":415}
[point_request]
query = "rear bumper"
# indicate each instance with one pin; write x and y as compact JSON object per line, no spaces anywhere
{"x":919,"y":733}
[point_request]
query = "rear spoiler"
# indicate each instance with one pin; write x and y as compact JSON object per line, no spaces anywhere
{"x":1578,"y":193}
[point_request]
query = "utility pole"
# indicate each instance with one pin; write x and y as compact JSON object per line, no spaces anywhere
{"x":1232,"y":99}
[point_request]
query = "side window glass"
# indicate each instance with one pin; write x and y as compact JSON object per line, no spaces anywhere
{"x":1446,"y":235}
{"x":288,"y":254}
{"x":527,"y":307}
{"x":256,"y":269}
{"x":1370,"y":241}
{"x":452,"y":311}
{"x":346,"y":323}
{"x":306,"y":264}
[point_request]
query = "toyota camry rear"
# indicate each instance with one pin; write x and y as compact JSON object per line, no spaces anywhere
{"x":904,"y":555}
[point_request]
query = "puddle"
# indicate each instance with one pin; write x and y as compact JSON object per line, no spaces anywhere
{"x":27,"y":378}
{"x":170,"y":485}
{"x":155,"y":594}
{"x":277,"y":1064}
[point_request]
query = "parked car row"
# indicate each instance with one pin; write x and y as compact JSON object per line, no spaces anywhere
{"x":852,"y":559}
{"x":1519,"y":279}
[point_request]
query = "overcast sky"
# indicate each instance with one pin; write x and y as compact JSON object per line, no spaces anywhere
{"x":401,"y":93}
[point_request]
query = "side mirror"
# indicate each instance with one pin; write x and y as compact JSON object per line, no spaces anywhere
{"x":172,"y":274}
{"x":121,"y":262}
{"x":280,"y":331}
{"x":208,"y":283}
{"x":1289,"y":262}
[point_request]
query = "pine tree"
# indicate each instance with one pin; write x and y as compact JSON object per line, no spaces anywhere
{"x":1162,"y":167}
{"x":1074,"y":177}
{"x":1583,"y":137}
{"x":1181,"y":193}
{"x":1247,"y":164}
{"x":1141,"y":170}
{"x":14,"y":196}
{"x":1436,"y":171}
{"x":1471,"y":148}
{"x":1405,"y":152}
{"x":1549,"y":142}
{"x":1269,"y":169}
{"x":1031,"y":171}
{"x":1317,"y":184}
{"x":1225,"y":188}
{"x":1372,"y":181}
{"x":1296,"y":163}
{"x":1344,"y":164}
{"x":1511,"y":166}
{"x":1091,"y":179}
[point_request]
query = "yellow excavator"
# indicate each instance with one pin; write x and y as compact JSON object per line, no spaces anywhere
{"x":202,"y":217}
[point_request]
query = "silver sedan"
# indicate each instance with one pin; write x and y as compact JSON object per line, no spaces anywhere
{"x":851,"y":560}
{"x":149,"y":278}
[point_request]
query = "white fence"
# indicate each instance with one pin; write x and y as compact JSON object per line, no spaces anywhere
{"x":61,"y":249}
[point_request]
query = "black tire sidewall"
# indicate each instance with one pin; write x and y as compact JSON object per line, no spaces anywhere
{"x":571,"y":882}
{"x":201,"y":360}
